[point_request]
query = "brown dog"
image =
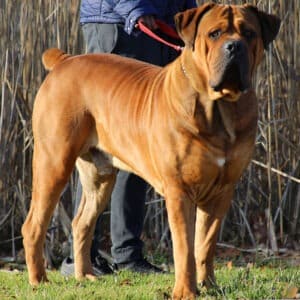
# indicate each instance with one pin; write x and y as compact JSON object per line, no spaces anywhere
{"x":188,"y":129}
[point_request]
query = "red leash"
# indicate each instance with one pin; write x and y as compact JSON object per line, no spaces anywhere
{"x":165,"y":28}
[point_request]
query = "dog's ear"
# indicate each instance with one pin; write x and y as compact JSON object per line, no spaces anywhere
{"x":270,"y":25}
{"x":187,"y":23}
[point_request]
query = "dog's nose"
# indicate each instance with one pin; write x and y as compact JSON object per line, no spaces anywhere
{"x":234,"y":48}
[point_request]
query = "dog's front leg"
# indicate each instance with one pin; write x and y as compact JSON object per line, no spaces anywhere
{"x":181,"y":215}
{"x":208,"y":222}
{"x":207,"y":228}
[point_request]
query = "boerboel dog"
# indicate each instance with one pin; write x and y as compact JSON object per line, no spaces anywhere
{"x":188,"y":129}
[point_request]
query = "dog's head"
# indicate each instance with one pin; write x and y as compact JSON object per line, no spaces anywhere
{"x":226,"y":43}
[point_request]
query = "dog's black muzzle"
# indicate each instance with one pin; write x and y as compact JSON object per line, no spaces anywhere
{"x":233,"y":68}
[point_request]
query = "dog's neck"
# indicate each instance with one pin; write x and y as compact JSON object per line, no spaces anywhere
{"x":201,"y":110}
{"x":225,"y":110}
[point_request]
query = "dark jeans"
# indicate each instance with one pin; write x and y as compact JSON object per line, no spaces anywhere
{"x":128,"y":197}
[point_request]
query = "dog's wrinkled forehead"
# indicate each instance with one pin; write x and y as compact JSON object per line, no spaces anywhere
{"x":228,"y":18}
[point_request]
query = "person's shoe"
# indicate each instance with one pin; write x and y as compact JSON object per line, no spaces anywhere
{"x":100,"y":267}
{"x":138,"y":266}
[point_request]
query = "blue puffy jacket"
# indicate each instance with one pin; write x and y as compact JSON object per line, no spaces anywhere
{"x":127,"y":12}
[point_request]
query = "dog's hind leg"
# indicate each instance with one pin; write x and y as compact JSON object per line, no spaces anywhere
{"x":96,"y":193}
{"x":58,"y":140}
{"x":50,"y":174}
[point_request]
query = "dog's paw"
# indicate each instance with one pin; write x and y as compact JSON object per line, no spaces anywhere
{"x":34,"y":281}
{"x":88,"y":276}
{"x":183,"y":293}
{"x":91,"y":277}
{"x":205,"y":284}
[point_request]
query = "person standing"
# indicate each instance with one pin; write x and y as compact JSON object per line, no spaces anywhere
{"x":110,"y":26}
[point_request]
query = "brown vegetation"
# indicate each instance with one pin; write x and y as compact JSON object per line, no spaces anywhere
{"x":266,"y":208}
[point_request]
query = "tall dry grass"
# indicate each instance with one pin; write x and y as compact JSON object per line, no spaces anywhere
{"x":266,"y":208}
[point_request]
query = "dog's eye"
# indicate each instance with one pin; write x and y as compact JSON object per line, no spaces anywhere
{"x":215,"y":34}
{"x":249,"y":34}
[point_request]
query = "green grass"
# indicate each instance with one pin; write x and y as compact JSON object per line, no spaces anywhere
{"x":266,"y":282}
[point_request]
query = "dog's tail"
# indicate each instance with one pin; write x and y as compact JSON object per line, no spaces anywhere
{"x":52,"y":57}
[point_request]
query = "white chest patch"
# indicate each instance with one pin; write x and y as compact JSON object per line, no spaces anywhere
{"x":221,"y":161}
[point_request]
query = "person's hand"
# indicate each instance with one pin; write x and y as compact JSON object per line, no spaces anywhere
{"x":148,"y":21}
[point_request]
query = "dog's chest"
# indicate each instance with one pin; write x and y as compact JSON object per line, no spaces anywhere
{"x":205,"y":171}
{"x":219,"y":154}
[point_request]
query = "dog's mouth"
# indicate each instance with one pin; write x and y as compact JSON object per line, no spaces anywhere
{"x":232,"y":79}
{"x":233,"y":76}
